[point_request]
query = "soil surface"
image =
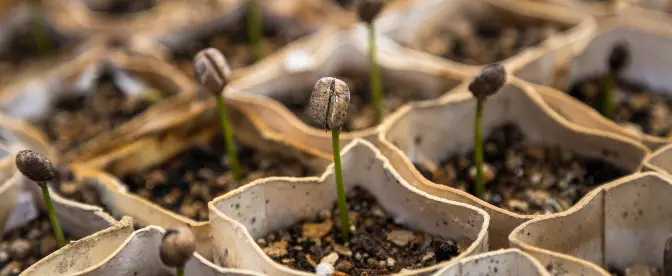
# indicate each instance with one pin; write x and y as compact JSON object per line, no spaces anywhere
{"x":637,"y":106}
{"x":360,"y":112}
{"x":69,"y":187}
{"x":377,"y":245}
{"x":22,"y":50}
{"x":480,"y":43}
{"x":186,"y":183}
{"x":78,"y":118}
{"x":637,"y":270}
{"x":524,"y":177}
{"x":22,"y":247}
{"x":120,"y":7}
{"x":234,"y":44}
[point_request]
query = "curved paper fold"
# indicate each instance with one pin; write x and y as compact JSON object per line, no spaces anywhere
{"x":620,"y":224}
{"x":505,"y":262}
{"x":121,"y":251}
{"x":419,"y":134}
{"x":240,"y":217}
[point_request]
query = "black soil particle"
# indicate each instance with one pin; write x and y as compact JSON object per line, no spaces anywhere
{"x":377,"y":246}
{"x":525,"y":177}
{"x":121,"y":7}
{"x":24,"y":246}
{"x":187,"y":182}
{"x":636,"y":105}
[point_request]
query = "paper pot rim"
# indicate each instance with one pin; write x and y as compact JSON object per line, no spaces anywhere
{"x":247,"y":237}
{"x":650,"y":164}
{"x":583,"y":26}
{"x":529,"y":92}
{"x":588,"y":198}
{"x":516,"y":251}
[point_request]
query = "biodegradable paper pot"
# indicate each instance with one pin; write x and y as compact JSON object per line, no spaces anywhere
{"x":153,"y":150}
{"x":420,"y":132}
{"x":121,"y":251}
{"x":32,"y":99}
{"x":660,"y":161}
{"x":505,"y":262}
{"x":536,"y":64}
{"x":278,"y":202}
{"x":282,"y":77}
{"x":595,"y":8}
{"x":623,"y":223}
{"x":78,"y":17}
{"x":648,"y":43}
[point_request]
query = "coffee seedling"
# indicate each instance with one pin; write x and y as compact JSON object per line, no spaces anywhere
{"x":254,"y":29}
{"x":40,"y":170}
{"x":329,"y":108}
{"x":177,"y":247}
{"x":485,"y":84}
{"x":39,"y":31}
{"x":213,"y":72}
{"x":367,"y":12}
{"x":618,"y":60}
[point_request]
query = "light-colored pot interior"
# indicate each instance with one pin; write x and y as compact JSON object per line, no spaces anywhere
{"x":505,"y":262}
{"x":246,"y":214}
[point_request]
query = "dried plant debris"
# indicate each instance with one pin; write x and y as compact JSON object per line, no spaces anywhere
{"x":638,"y":107}
{"x":121,"y":7}
{"x":22,"y":247}
{"x":377,"y":245}
{"x":234,"y":44}
{"x":637,"y":270}
{"x":485,"y":42}
{"x":186,"y":183}
{"x":77,"y":118}
{"x":523,"y":177}
{"x":360,"y":112}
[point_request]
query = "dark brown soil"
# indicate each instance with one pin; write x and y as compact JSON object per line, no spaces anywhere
{"x":524,"y":177}
{"x":637,"y":270}
{"x":377,"y":246}
{"x":234,"y":44}
{"x":22,"y":50}
{"x":480,"y":43}
{"x":21,"y":248}
{"x":121,"y":7}
{"x":77,"y":119}
{"x":69,"y":187}
{"x":360,"y":112}
{"x":186,"y":183}
{"x":637,"y":105}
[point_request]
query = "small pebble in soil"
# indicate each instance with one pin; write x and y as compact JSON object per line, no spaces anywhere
{"x":637,"y":270}
{"x":75,"y":119}
{"x":637,"y":104}
{"x":360,"y":112}
{"x":187,"y":182}
{"x":485,"y":42}
{"x":377,"y":246}
{"x":524,"y":177}
{"x":22,"y":247}
{"x":234,"y":44}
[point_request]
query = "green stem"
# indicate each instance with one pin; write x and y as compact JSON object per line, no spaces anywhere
{"x":52,"y":216}
{"x":340,"y":189}
{"x":479,"y":189}
{"x":228,"y":139}
{"x":608,"y":95}
{"x":180,"y":271}
{"x":375,"y":81}
{"x":254,"y":29}
{"x":39,"y":32}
